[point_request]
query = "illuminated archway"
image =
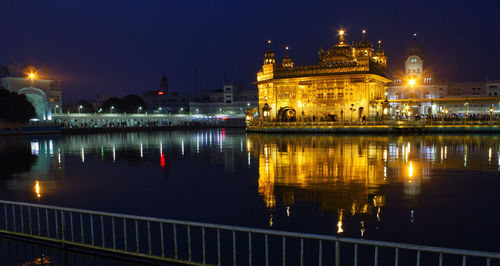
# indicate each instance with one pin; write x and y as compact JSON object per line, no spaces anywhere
{"x":38,"y":99}
{"x":287,"y":114}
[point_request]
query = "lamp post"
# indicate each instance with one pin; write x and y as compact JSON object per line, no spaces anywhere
{"x":159,"y":110}
{"x":139,"y":109}
{"x":80,"y":109}
{"x":111,"y":109}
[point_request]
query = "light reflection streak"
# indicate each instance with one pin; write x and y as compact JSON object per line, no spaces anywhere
{"x":182,"y":147}
{"x":83,"y":154}
{"x":114,"y":153}
{"x":339,"y":224}
{"x":37,"y":189}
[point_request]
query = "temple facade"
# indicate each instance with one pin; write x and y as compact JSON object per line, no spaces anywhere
{"x":348,"y":83}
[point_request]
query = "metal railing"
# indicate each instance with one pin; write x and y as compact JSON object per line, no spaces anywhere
{"x":211,"y":244}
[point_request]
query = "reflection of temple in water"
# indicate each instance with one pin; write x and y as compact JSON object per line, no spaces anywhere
{"x":348,"y":174}
{"x":336,"y":172}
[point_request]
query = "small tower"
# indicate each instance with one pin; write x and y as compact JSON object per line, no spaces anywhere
{"x":341,"y":38}
{"x":364,"y":48}
{"x":379,"y":56}
{"x":287,"y":61}
{"x":164,"y":83}
{"x":269,"y":55}
{"x":414,"y":59}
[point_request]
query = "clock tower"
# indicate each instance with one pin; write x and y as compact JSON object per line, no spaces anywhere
{"x":414,"y":59}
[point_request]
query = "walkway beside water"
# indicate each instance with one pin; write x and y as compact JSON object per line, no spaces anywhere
{"x":391,"y":127}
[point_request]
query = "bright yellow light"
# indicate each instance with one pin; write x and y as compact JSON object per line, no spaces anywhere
{"x":341,"y":32}
{"x":412,"y":82}
{"x":32,"y":75}
{"x":364,"y":31}
{"x":410,"y":170}
{"x":37,"y":189}
{"x":339,"y":224}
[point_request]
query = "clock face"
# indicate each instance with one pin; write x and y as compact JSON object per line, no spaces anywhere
{"x":413,"y":60}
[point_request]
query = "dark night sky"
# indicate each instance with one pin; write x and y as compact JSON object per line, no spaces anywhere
{"x":121,"y":47}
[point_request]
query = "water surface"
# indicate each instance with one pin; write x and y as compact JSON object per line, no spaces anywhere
{"x":436,"y":190}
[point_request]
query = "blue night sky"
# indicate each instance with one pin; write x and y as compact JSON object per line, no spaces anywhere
{"x":123,"y":47}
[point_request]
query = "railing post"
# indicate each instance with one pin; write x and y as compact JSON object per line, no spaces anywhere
{"x":81,"y":229}
{"x":47,"y":221}
{"x":218,"y":248}
{"x":102,"y":231}
{"x":22,"y":218}
{"x":125,"y":234}
{"x":203,"y":245}
{"x":149,"y":237}
{"x":320,"y":255}
{"x":38,"y":220}
{"x":71,"y":227}
{"x":136,"y":236}
{"x":234,"y":248}
{"x":162,"y":242}
{"x":283,"y":255}
{"x":92,"y":229}
{"x":113,"y":231}
{"x":464,"y":260}
{"x":355,"y":254}
{"x":29,"y":220}
{"x":189,"y":241}
{"x":301,"y":252}
{"x":418,"y":257}
{"x":337,"y":253}
{"x":57,"y":224}
{"x":396,"y":257}
{"x":440,"y":259}
{"x":267,"y":251}
{"x":249,"y":249}
{"x":175,"y":242}
{"x":63,"y":227}
{"x":6,"y":220}
{"x":376,"y":256}
{"x":14,"y":218}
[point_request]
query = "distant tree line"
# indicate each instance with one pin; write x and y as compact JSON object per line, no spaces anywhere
{"x":14,"y":107}
{"x":128,"y":104}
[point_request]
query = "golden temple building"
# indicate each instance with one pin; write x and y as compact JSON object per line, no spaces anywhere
{"x":348,"y":83}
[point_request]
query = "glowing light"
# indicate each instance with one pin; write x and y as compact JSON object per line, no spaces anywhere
{"x":341,"y":32}
{"x":410,"y":170}
{"x":160,"y":93}
{"x":37,"y":189}
{"x":339,"y":224}
{"x":32,"y":75}
{"x":162,"y":160}
{"x":412,"y":82}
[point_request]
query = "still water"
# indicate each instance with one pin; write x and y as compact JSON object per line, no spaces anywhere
{"x":435,"y":190}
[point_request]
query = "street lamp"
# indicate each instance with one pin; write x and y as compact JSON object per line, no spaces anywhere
{"x":80,"y":108}
{"x":159,"y":110}
{"x":139,"y":109}
{"x":111,"y":109}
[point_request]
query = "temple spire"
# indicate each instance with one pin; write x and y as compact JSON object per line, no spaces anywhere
{"x":341,"y":37}
{"x":287,"y":61}
{"x":364,"y":36}
{"x":269,"y":55}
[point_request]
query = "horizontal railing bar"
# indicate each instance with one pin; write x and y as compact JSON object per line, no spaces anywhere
{"x":431,"y":249}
